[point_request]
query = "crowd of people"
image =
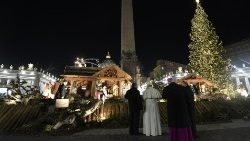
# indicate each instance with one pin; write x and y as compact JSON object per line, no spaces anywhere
{"x":180,"y":110}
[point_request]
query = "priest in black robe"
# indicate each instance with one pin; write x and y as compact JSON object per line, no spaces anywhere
{"x":135,"y":105}
{"x":178,"y":113}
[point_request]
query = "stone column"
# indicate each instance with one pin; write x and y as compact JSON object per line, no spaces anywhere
{"x":71,"y":86}
{"x":120,"y":89}
{"x":247,"y":84}
{"x":93,"y":88}
{"x":237,"y":81}
{"x":127,"y":27}
{"x":138,"y":76}
{"x":9,"y":80}
{"x":129,"y":59}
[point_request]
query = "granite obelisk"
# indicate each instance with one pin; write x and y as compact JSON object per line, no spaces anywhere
{"x":129,"y":61}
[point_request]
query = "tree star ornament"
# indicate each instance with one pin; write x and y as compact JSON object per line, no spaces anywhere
{"x":197,"y":1}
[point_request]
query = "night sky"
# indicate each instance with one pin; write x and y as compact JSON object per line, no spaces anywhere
{"x":52,"y":34}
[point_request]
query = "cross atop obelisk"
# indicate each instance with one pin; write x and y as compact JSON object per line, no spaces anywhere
{"x":129,"y":60}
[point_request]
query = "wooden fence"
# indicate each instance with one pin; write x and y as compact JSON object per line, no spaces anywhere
{"x":13,"y":116}
{"x":206,"y":111}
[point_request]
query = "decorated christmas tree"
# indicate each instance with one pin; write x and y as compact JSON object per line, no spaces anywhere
{"x":207,"y":52}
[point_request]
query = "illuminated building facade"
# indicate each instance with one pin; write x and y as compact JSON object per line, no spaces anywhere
{"x":166,"y":67}
{"x":30,"y":75}
{"x":239,"y":54}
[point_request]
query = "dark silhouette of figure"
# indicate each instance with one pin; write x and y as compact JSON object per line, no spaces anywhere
{"x":196,"y":89}
{"x":178,"y":112}
{"x":62,"y":91}
{"x":191,"y":109}
{"x":135,"y":105}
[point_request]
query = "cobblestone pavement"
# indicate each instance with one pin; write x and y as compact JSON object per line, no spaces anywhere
{"x":236,"y":131}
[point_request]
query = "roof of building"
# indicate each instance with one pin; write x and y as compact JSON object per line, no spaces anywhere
{"x":84,"y":71}
{"x":113,"y":71}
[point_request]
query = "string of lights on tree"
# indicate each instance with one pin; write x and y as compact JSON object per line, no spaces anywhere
{"x":207,"y":52}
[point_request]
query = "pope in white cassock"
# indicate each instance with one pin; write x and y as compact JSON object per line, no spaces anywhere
{"x":151,"y":116}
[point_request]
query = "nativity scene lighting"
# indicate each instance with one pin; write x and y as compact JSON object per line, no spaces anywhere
{"x":82,"y":62}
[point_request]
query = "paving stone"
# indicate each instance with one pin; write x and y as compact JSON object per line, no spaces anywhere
{"x":238,"y":130}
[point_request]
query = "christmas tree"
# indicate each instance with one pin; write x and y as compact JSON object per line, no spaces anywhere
{"x":206,"y":51}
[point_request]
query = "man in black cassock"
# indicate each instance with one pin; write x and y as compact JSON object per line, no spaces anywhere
{"x":191,"y":109}
{"x":135,"y":105}
{"x":178,"y":111}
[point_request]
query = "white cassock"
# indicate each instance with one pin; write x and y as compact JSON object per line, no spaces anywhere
{"x":151,"y":115}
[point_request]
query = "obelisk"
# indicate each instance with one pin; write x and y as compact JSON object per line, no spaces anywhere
{"x":129,"y":60}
